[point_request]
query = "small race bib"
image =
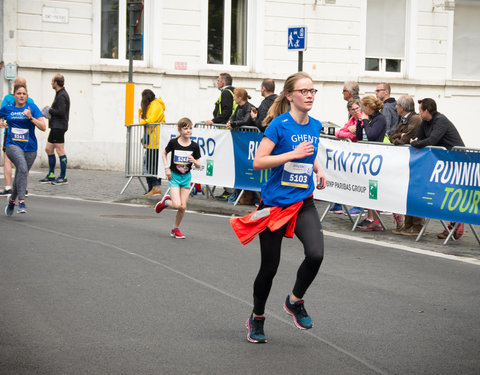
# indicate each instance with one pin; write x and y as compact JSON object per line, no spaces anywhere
{"x":181,"y":157}
{"x":297,"y":174}
{"x":19,"y":135}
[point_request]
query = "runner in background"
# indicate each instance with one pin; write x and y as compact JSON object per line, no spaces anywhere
{"x":184,"y":153}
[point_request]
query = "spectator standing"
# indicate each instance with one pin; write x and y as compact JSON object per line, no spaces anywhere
{"x":405,"y":130}
{"x":224,"y":106}
{"x":349,"y":131}
{"x":241,"y":116}
{"x":21,"y":143}
{"x":350,"y":92}
{"x":374,"y":124}
{"x":287,"y":206}
{"x":152,"y":111}
{"x":389,"y":106}
{"x":9,"y":99}
{"x":268,"y":92}
{"x":184,"y":152}
{"x":437,"y":130}
{"x":58,"y":115}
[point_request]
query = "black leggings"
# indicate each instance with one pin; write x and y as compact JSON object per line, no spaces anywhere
{"x":309,"y":231}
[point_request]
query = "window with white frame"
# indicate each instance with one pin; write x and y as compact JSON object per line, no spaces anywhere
{"x":466,"y":40}
{"x":385,"y":40}
{"x":114,"y":30}
{"x":227,"y":32}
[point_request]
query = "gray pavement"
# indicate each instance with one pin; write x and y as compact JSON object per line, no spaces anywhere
{"x":107,"y":185}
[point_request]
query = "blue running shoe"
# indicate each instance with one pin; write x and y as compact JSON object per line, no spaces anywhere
{"x":10,"y":207}
{"x":300,"y":316}
{"x":255,"y":330}
{"x":354,"y":211}
{"x":22,"y":209}
{"x":336,"y":208}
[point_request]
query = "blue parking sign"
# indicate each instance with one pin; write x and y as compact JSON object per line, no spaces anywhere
{"x":297,"y":38}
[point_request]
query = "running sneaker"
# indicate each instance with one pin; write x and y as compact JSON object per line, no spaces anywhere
{"x":160,"y":206}
{"x":336,"y":208}
{"x":22,"y":209}
{"x":364,"y":223}
{"x":373,"y":226}
{"x":224,"y":196}
{"x":176,"y":233}
{"x":49,"y":178}
{"x":9,"y":208}
{"x":60,"y":181}
{"x":354,"y":211}
{"x":300,"y":316}
{"x":255,"y":330}
{"x":6,"y":192}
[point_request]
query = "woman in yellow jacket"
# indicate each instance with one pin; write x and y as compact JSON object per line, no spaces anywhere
{"x":152,"y":111}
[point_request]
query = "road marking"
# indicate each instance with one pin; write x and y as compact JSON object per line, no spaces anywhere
{"x":208,"y":286}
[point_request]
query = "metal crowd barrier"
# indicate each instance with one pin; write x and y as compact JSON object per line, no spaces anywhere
{"x":142,"y":153}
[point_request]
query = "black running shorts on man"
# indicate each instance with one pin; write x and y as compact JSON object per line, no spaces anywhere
{"x":56,"y":135}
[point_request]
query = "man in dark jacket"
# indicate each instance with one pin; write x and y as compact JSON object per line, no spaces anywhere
{"x":58,"y":115}
{"x":382,"y":92}
{"x":224,"y":106}
{"x":435,"y":129}
{"x":268,"y":92}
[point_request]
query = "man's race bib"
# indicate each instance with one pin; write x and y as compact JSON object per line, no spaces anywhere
{"x":19,"y":135}
{"x":297,"y":174}
{"x":181,"y":157}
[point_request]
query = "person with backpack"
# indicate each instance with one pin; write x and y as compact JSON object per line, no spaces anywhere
{"x":224,"y":106}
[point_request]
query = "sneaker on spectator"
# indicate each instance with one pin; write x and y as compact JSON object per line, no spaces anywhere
{"x":354,"y":211}
{"x":444,"y":234}
{"x":9,"y":208}
{"x":255,"y":330}
{"x":399,"y":221}
{"x":6,"y":192}
{"x":22,"y":209}
{"x":224,"y":196}
{"x":373,"y":226}
{"x":459,"y":232}
{"x":49,"y":178}
{"x":336,"y":208}
{"x":60,"y":181}
{"x":160,"y":206}
{"x":300,"y":316}
{"x":176,"y":233}
{"x":364,"y":223}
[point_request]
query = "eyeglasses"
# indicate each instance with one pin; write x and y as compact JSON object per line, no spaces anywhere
{"x":345,"y":90}
{"x":378,"y":90}
{"x":304,"y":92}
{"x":355,"y":109}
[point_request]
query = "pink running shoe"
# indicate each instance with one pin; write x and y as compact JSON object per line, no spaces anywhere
{"x":160,"y":206}
{"x":176,"y":233}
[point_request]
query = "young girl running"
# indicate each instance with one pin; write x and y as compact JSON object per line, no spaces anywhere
{"x":184,"y":153}
{"x":289,"y":148}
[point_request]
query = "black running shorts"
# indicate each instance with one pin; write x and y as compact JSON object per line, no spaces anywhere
{"x":57,"y":136}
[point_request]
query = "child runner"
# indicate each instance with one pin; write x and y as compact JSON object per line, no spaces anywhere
{"x":184,"y":153}
{"x":289,"y":147}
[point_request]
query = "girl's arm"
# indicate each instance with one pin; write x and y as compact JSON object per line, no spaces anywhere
{"x":168,"y":172}
{"x":263,"y":159}
{"x":196,"y":162}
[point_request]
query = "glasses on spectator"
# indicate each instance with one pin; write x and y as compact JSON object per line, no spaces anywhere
{"x":345,"y":90}
{"x":355,"y":109}
{"x":377,"y":90}
{"x":304,"y":92}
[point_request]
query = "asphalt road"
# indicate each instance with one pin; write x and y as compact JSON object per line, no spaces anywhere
{"x":96,"y":288}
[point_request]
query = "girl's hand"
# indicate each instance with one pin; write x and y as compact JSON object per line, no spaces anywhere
{"x":321,"y":180}
{"x":303,"y":150}
{"x":168,"y":174}
{"x":27,"y":113}
{"x":3,"y":123}
{"x":190,"y":158}
{"x":363,"y":117}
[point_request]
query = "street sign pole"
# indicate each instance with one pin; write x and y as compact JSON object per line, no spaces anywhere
{"x":297,"y":41}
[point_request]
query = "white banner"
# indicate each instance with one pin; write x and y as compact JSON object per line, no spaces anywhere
{"x":371,"y":176}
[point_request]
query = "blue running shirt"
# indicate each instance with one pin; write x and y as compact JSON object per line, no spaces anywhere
{"x":293,"y":181}
{"x":20,"y":131}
